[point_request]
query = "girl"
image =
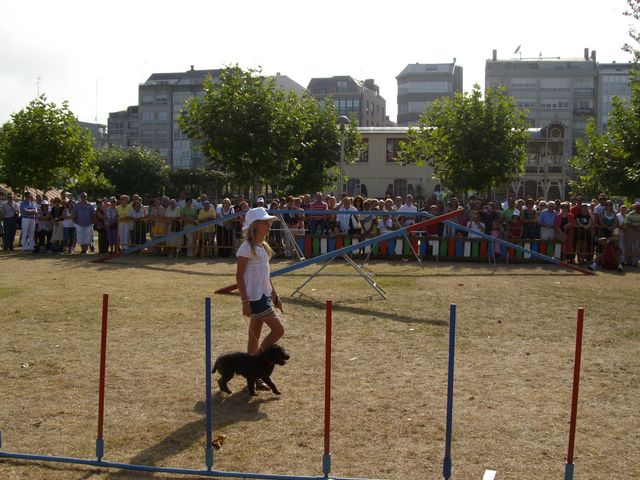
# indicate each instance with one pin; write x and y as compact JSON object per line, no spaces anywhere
{"x":254,"y":280}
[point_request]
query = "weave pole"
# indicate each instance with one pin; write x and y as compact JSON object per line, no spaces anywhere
{"x":568,"y":469}
{"x":326,"y":457}
{"x":446,"y":466}
{"x":208,"y":448}
{"x":103,"y":369}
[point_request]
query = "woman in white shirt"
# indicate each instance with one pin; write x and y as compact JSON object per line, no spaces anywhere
{"x":254,"y":281}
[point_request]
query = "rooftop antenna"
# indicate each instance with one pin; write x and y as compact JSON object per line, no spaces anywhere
{"x":518,"y":50}
{"x":38,"y":85}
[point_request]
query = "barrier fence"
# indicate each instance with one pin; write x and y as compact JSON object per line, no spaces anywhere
{"x":575,"y":244}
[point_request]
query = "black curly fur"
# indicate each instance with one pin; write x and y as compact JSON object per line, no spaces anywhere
{"x":252,"y":367}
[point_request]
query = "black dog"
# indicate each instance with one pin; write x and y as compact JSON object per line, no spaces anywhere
{"x":252,"y":367}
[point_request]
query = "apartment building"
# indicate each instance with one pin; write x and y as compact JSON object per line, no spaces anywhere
{"x":419,"y":84}
{"x":352,"y":98}
{"x":153,"y":123}
{"x":552,"y":89}
{"x":613,"y":81}
{"x":378,"y":174}
{"x":122,"y":127}
{"x":98,"y":132}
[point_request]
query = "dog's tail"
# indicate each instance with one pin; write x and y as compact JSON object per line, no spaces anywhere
{"x":215,"y":366}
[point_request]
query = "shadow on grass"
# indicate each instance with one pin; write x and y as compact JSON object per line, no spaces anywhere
{"x":341,"y":306}
{"x":227,"y":410}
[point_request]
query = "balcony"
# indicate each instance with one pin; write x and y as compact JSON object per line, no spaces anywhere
{"x":583,"y":92}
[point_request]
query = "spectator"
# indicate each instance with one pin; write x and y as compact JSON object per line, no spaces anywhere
{"x":84,"y":218}
{"x":348,"y":222}
{"x":599,"y":206}
{"x":621,"y":217}
{"x":111,"y":224}
{"x":260,"y":202}
{"x":9,"y":213}
{"x":475,"y":224}
{"x":450,"y":231}
{"x":386,"y":222}
{"x":368,"y":221}
{"x":408,"y":206}
{"x":583,"y":239}
{"x":608,"y":256}
{"x":174,"y":225}
{"x":632,"y":235}
{"x":514,"y":227}
{"x":189,"y":217}
{"x":138,"y":217}
{"x":607,"y":220}
{"x":207,"y":234}
{"x":488,"y":215}
{"x":45,"y":226}
{"x":57,"y":231}
{"x":28,"y":212}
{"x":124,"y":221}
{"x":564,"y":226}
{"x":101,"y":226}
{"x":317,"y":221}
{"x":225,"y":230}
{"x":69,"y":226}
{"x":547,"y":222}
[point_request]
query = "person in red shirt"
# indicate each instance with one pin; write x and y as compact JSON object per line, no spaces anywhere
{"x":315,"y":221}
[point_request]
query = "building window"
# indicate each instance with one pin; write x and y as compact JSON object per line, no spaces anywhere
{"x":393,"y":149}
{"x":399,"y":187}
{"x":524,"y":83}
{"x":147,"y":99}
{"x":161,"y":99}
{"x":364,"y":156}
{"x":341,"y":85}
{"x":164,"y":152}
{"x":161,"y":117}
{"x":353,"y":187}
{"x":147,"y":117}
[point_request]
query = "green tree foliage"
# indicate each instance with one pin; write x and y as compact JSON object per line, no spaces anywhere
{"x":472,"y":143}
{"x":258,"y":133}
{"x":609,"y":161}
{"x":633,"y":12}
{"x":43,"y":146}
{"x":196,"y":181}
{"x":134,"y":170}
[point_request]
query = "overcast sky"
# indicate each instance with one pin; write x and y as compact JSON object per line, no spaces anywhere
{"x":94,"y":54}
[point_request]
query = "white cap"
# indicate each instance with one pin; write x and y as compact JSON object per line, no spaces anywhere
{"x":254,"y":214}
{"x":260,"y":199}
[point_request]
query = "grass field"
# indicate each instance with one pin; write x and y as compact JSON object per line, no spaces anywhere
{"x":514,"y":368}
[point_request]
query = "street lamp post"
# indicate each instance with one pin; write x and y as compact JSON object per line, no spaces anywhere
{"x":342,"y":121}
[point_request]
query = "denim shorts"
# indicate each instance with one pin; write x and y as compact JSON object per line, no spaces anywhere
{"x":261,"y":308}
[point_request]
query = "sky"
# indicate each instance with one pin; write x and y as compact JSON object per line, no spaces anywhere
{"x":94,"y":54}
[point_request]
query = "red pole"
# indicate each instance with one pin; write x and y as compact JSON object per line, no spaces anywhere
{"x":576,"y":384}
{"x":103,"y":363}
{"x":327,"y":380}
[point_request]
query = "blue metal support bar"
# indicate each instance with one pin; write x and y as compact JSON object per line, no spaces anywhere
{"x":446,"y":467}
{"x":208,"y":448}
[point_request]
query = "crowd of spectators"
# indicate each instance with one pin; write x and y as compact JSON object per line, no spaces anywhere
{"x":61,"y":225}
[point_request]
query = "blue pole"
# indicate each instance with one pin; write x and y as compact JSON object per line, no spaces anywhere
{"x":207,"y":361}
{"x":446,"y":468}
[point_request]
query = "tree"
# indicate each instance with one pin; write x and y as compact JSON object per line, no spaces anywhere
{"x":633,"y":12}
{"x":134,"y":170}
{"x":472,"y":143}
{"x":43,"y":146}
{"x":258,"y":133}
{"x":197,"y":180}
{"x":609,"y":161}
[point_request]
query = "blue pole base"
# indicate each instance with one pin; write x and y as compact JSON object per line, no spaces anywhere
{"x":446,"y":468}
{"x":326,"y":464}
{"x":568,"y":471}
{"x":99,"y":448}
{"x":0,"y":439}
{"x":208,"y":457}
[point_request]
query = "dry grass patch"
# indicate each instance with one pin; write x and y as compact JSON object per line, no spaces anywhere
{"x":514,"y":361}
